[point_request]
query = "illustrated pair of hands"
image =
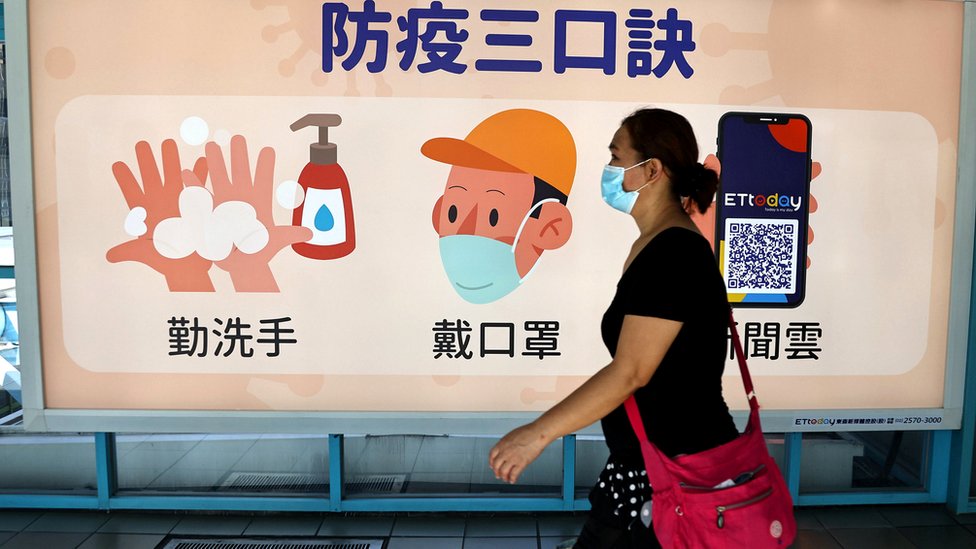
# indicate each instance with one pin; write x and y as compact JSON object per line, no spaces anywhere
{"x":159,"y":195}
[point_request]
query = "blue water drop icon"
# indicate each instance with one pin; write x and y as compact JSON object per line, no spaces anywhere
{"x":324,"y":221}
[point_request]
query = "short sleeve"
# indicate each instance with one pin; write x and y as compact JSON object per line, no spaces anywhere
{"x":666,"y":277}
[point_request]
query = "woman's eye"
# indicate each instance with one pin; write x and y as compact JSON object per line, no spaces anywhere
{"x":493,"y":217}
{"x":452,"y":213}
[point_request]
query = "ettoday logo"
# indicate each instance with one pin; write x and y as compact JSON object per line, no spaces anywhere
{"x":775,"y":200}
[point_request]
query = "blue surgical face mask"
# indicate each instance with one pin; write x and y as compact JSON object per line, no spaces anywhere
{"x":612,"y":187}
{"x":482,"y":269}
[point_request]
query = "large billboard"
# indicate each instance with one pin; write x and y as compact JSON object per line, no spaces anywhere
{"x":303,"y":207}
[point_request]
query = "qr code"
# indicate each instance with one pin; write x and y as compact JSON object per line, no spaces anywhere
{"x":760,"y":256}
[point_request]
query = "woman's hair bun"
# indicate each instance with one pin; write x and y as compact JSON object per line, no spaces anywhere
{"x":668,"y":137}
{"x":698,"y":183}
{"x":694,"y":179}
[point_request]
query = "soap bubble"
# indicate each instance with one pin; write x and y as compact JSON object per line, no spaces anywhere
{"x":194,"y":131}
{"x":211,"y":232}
{"x":290,"y":195}
{"x":135,"y":222}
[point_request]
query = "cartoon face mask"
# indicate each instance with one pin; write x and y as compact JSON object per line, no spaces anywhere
{"x":482,"y":269}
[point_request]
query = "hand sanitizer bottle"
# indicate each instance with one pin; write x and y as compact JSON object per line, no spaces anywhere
{"x":327,"y":209}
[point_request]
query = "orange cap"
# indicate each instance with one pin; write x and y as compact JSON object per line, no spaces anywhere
{"x":518,"y":141}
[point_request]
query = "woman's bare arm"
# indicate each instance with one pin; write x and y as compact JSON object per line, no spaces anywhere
{"x":642,"y":345}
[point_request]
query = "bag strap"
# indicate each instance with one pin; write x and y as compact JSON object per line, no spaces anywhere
{"x":743,"y":367}
{"x":653,"y":458}
{"x":657,"y":474}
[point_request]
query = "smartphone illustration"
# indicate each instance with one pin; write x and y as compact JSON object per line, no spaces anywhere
{"x":763,"y":207}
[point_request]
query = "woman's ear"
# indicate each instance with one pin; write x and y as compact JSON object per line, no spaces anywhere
{"x":653,"y":170}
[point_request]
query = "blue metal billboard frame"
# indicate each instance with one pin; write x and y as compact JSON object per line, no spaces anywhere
{"x":963,"y":441}
{"x":948,"y":464}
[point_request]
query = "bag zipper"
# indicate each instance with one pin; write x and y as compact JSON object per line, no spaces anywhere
{"x":721,"y":509}
{"x":752,"y":475}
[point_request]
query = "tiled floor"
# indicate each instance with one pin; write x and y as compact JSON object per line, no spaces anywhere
{"x":820,"y":528}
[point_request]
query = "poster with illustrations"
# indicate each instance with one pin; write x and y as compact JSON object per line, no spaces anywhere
{"x":395,"y":205}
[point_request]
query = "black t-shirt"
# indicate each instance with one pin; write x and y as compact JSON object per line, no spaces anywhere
{"x":675,"y":277}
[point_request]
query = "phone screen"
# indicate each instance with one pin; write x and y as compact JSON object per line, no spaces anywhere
{"x":762,"y":207}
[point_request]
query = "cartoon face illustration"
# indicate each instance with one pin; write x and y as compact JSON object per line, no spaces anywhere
{"x":504,"y":202}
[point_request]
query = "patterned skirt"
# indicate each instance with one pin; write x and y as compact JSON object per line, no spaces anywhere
{"x":620,"y":493}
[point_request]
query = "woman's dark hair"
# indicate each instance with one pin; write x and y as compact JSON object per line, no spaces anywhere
{"x":667,"y":136}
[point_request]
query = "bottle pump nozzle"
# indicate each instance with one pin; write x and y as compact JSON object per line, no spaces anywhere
{"x":322,"y":152}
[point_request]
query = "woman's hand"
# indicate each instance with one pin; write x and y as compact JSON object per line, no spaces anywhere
{"x":515,"y":451}
{"x":643,"y":342}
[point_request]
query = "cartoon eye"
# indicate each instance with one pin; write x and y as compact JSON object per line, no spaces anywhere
{"x":493,"y":217}
{"x":452,"y":213}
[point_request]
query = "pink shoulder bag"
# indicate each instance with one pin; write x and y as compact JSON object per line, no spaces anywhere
{"x":730,"y":496}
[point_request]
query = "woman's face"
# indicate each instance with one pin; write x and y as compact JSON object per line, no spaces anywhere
{"x":623,"y":155}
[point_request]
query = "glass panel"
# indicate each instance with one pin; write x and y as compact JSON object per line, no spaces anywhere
{"x":227,"y":464}
{"x":972,"y":478}
{"x":863,"y":461}
{"x":5,"y":207}
{"x":776,"y":444}
{"x":443,"y":465}
{"x":10,"y":390}
{"x":32,"y":463}
{"x":10,"y":399}
{"x":591,"y":457}
{"x":381,"y":466}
